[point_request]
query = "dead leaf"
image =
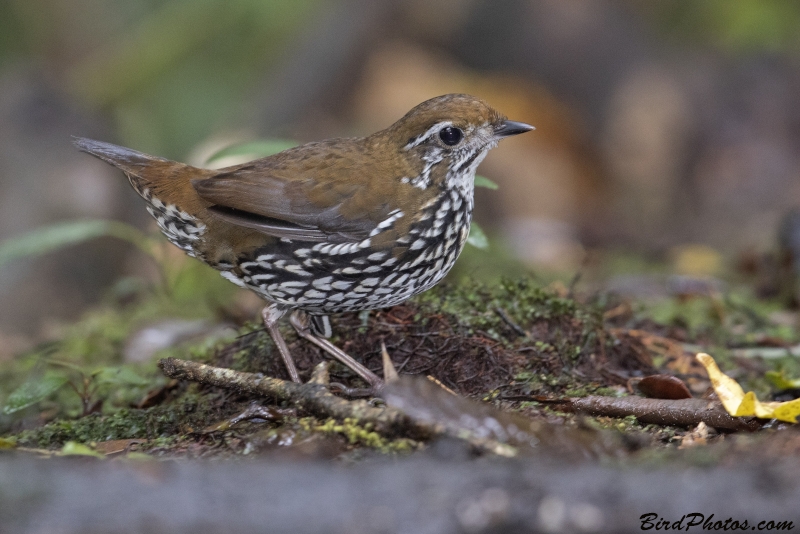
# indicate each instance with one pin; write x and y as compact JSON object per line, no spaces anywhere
{"x":663,"y":387}
{"x":740,"y":404}
{"x":676,"y":357}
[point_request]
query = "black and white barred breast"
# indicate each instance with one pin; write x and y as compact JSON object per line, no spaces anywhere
{"x":325,"y":278}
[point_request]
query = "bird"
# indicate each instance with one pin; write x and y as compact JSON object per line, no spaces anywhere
{"x":332,"y":226}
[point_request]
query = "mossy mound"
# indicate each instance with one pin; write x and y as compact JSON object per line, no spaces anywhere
{"x":474,"y":338}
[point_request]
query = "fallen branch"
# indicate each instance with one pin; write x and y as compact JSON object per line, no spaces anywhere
{"x":416,"y":408}
{"x":313,"y":398}
{"x":679,"y":412}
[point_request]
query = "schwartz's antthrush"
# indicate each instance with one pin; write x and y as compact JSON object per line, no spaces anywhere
{"x":330,"y":226}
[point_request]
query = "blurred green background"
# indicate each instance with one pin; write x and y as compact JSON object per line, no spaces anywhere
{"x":667,"y":131}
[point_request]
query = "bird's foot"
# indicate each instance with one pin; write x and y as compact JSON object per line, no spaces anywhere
{"x":389,"y":375}
{"x":321,"y":376}
{"x":301,"y":323}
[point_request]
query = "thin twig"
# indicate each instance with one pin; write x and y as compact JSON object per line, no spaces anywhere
{"x":681,"y":412}
{"x":510,"y":322}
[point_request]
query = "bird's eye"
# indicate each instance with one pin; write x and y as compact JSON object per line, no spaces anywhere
{"x":450,"y":136}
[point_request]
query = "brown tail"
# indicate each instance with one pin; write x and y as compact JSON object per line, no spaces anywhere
{"x":152,"y":177}
{"x":165,"y":185}
{"x":128,"y":160}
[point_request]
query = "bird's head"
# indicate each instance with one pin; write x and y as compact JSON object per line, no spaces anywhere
{"x":445,"y":138}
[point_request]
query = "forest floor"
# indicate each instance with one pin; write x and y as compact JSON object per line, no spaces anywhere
{"x":529,"y":402}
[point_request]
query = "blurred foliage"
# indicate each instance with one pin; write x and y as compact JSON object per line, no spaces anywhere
{"x":482,"y":181}
{"x":734,"y":326}
{"x":477,"y":238}
{"x":88,"y":354}
{"x":177,"y":274}
{"x":738,"y":26}
{"x":781,"y":381}
{"x":252,"y":150}
{"x":63,"y":234}
{"x":170,"y":72}
{"x":735,"y":318}
{"x":33,"y":390}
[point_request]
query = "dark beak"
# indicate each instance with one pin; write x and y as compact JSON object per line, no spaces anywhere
{"x":508,"y":128}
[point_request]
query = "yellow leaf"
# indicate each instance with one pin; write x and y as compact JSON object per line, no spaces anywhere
{"x":72,"y":448}
{"x":741,"y":404}
{"x":788,"y":411}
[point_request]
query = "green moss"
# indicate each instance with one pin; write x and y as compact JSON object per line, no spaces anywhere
{"x":577,"y":392}
{"x":363,"y":435}
{"x":521,"y":299}
{"x":628,"y":422}
{"x":191,"y":411}
{"x":604,"y":391}
{"x":557,"y":326}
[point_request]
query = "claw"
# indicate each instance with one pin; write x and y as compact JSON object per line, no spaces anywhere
{"x":389,"y":371}
{"x":299,"y":320}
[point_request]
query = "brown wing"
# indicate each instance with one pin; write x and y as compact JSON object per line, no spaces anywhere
{"x":316,"y":192}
